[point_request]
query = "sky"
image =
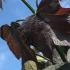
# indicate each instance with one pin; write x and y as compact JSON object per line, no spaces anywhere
{"x":12,"y":11}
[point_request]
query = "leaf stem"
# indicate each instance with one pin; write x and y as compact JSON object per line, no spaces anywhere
{"x":32,"y":10}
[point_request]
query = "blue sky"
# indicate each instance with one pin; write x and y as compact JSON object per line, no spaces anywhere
{"x":65,"y":3}
{"x":12,"y":11}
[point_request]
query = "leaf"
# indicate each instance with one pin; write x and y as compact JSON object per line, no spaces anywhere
{"x":47,"y":7}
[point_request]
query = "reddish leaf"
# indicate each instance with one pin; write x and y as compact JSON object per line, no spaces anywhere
{"x":62,"y":11}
